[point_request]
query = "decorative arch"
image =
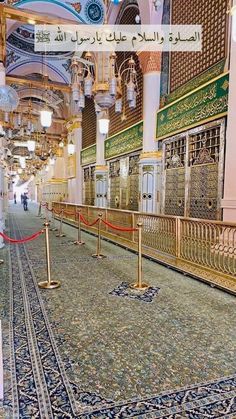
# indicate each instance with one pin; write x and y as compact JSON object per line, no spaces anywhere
{"x":25,"y":68}
{"x":38,"y":93}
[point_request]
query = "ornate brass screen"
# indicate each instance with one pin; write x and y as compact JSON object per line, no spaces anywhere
{"x":175,"y":154}
{"x":114,"y":184}
{"x":89,"y":186}
{"x":204,"y":193}
{"x":133,"y":183}
{"x":124,"y":183}
{"x":193,"y":175}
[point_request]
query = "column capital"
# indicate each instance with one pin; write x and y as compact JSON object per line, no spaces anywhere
{"x":150,"y":61}
{"x":74,"y":122}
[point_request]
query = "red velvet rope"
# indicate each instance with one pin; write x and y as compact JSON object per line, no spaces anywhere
{"x":86,"y":222}
{"x":25,"y":240}
{"x":79,"y":215}
{"x":69,"y":213}
{"x":57,"y":212}
{"x":119,"y":228}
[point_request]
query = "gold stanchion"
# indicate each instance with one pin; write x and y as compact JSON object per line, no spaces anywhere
{"x":140,"y":285}
{"x":42,"y":215}
{"x":98,"y":255}
{"x":79,"y":241}
{"x":40,"y":210}
{"x":53,"y":227}
{"x":46,"y":215}
{"x":61,"y":234}
{"x":49,"y":284}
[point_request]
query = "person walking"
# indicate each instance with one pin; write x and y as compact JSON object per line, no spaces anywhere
{"x":14,"y":198}
{"x":25,"y":202}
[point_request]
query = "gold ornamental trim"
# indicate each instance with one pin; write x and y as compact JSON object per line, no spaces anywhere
{"x":151,"y":154}
{"x":103,"y":168}
{"x":74,"y":125}
{"x":104,"y":87}
{"x":57,"y":180}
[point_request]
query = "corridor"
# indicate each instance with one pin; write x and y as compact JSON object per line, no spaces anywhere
{"x":96,"y":349}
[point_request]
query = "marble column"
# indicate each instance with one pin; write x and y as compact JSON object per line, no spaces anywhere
{"x":75,"y":186}
{"x":77,"y":139}
{"x":101,"y":169}
{"x":229,"y":201}
{"x":151,"y":159}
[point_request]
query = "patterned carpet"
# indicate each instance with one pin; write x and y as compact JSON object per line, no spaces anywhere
{"x":85,"y":351}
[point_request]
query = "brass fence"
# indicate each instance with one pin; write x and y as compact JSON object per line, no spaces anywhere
{"x":203,"y":248}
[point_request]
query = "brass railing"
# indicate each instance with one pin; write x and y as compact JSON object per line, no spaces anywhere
{"x":204,"y":248}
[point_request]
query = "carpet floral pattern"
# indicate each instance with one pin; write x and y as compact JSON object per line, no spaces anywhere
{"x":80,"y":352}
{"x":124,"y":290}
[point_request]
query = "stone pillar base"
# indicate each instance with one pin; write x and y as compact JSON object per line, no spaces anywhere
{"x":229,"y":210}
{"x":150,"y":182}
{"x":101,"y":186}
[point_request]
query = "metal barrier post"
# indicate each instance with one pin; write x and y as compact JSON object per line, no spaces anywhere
{"x":61,"y":234}
{"x":49,"y":284}
{"x":98,"y":255}
{"x":40,"y":209}
{"x":53,"y":226}
{"x":79,"y":241}
{"x":140,"y":285}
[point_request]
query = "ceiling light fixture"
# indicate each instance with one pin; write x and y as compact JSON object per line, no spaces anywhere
{"x":46,"y":118}
{"x":104,"y":123}
{"x":71,"y":148}
{"x":31,"y":145}
{"x":22,"y":162}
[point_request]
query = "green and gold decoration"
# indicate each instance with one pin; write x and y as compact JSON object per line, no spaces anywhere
{"x":208,"y":75}
{"x":206,"y":103}
{"x":127,"y":141}
{"x":88,"y":155}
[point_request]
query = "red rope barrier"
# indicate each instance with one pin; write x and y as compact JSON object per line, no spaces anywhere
{"x":57,"y":212}
{"x":25,"y":240}
{"x":119,"y":228}
{"x":69,"y":213}
{"x":86,"y":222}
{"x":79,"y":215}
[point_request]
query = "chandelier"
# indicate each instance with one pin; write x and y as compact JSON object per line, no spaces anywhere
{"x":100,"y":78}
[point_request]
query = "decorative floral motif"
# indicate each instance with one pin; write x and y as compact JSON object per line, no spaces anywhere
{"x":12,"y":57}
{"x":124,"y":290}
